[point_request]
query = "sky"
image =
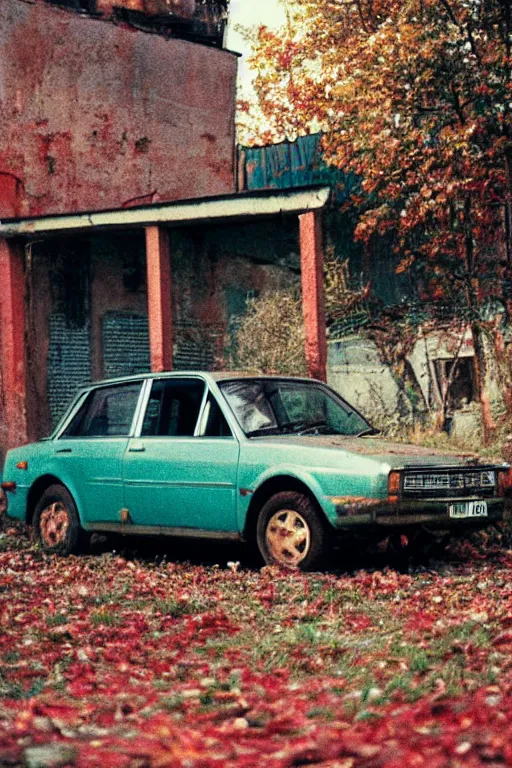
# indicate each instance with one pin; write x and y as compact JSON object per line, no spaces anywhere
{"x":250,"y":12}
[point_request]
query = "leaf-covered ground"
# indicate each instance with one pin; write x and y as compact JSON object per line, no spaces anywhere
{"x":137,"y":661}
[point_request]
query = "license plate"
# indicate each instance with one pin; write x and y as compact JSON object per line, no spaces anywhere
{"x":468,"y":509}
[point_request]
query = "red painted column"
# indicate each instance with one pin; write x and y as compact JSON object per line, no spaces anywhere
{"x":13,"y":419}
{"x":158,"y":266}
{"x":312,"y":260}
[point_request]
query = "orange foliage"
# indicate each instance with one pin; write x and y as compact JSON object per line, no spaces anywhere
{"x":414,"y":96}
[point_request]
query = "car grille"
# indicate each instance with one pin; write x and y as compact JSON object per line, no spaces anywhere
{"x":449,"y":483}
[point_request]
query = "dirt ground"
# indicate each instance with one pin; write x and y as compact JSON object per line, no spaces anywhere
{"x":167,"y":654}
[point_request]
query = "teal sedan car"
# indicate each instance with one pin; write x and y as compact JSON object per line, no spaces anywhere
{"x":281,"y":462}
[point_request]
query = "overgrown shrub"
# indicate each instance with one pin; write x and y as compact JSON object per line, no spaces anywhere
{"x":270,"y":337}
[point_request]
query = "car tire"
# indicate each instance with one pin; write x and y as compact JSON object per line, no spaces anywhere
{"x":291,"y":533}
{"x":57,"y":524}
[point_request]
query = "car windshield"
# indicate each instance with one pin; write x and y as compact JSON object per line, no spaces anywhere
{"x":284,"y":406}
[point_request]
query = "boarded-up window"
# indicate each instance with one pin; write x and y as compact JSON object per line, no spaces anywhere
{"x":125,"y":344}
{"x":69,"y":362}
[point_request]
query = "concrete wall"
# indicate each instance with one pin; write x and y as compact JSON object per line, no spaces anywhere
{"x":356,"y":371}
{"x":118,"y":284}
{"x":96,"y":116}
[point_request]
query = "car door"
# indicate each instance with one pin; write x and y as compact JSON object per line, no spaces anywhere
{"x":89,"y":452}
{"x":181,"y":470}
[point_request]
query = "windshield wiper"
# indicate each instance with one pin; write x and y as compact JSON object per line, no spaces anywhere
{"x":289,"y":427}
{"x":367,"y":432}
{"x":301,"y":427}
{"x":311,"y":426}
{"x":263,"y":431}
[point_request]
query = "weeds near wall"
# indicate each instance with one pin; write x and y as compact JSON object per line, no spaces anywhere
{"x":270,"y":337}
{"x":347,"y":306}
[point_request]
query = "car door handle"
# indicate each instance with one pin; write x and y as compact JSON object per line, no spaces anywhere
{"x":136,"y":448}
{"x":63,"y":450}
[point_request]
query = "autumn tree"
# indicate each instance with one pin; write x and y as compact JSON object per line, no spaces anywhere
{"x":414,"y":96}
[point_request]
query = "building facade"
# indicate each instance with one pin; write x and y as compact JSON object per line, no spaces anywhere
{"x":124,"y":246}
{"x":96,"y":114}
{"x":103,"y":105}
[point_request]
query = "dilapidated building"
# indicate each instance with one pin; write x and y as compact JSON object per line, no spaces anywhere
{"x":377,"y":293}
{"x":124,"y":245}
{"x":97,"y":114}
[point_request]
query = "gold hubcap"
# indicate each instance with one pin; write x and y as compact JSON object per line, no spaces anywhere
{"x":288,"y":537}
{"x":54,"y":524}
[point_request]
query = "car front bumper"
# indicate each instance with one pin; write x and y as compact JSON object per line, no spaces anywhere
{"x":377,"y":513}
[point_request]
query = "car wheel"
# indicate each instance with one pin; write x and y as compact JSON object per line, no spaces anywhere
{"x":291,"y":533}
{"x":56,"y":522}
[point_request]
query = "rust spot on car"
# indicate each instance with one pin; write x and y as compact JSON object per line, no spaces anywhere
{"x":353,"y":505}
{"x":245,"y":491}
{"x":379,"y":446}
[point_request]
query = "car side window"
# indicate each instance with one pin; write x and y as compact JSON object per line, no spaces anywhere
{"x":106,"y":412}
{"x":173,"y":408}
{"x":214,"y":422}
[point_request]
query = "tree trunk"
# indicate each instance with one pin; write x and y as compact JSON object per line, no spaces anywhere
{"x":481,"y":367}
{"x":481,"y":370}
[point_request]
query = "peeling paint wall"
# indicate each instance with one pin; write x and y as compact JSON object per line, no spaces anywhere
{"x":118,"y":286}
{"x":76,"y":289}
{"x":95,"y":115}
{"x":214,"y":271}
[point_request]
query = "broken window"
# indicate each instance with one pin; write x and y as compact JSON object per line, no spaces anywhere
{"x":461,"y":387}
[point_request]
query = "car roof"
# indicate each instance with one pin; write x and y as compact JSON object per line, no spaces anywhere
{"x":212,"y":375}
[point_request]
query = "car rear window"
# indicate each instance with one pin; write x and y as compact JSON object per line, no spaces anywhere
{"x":106,"y":412}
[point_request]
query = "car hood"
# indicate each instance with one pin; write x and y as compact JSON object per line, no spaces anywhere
{"x":379,"y":449}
